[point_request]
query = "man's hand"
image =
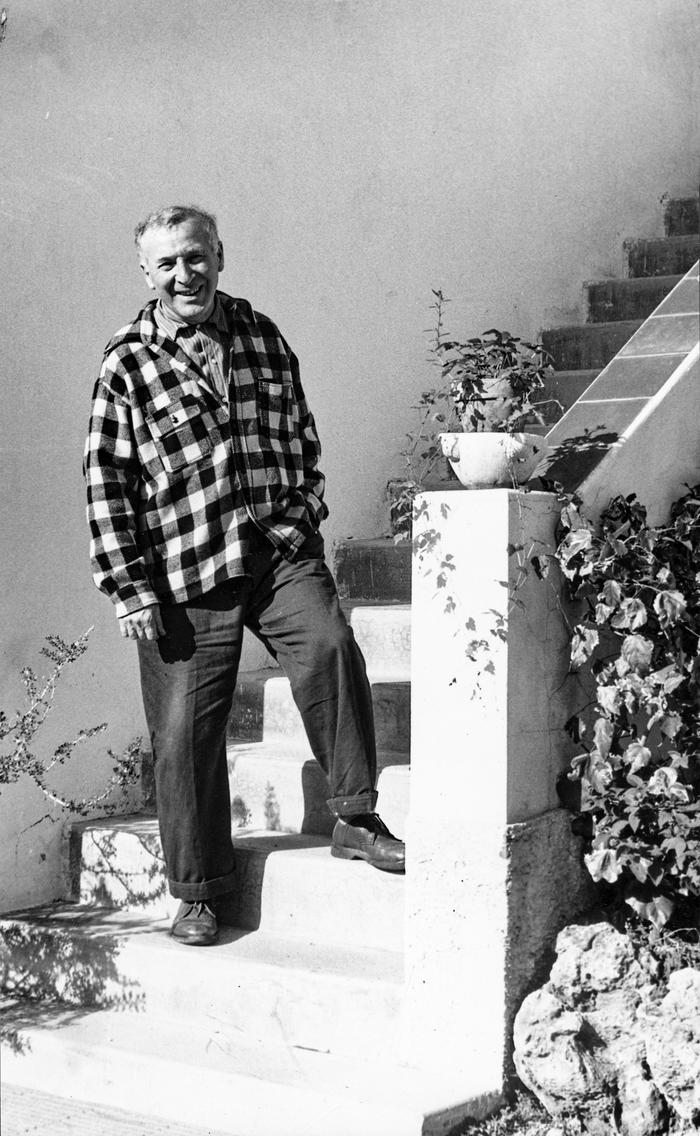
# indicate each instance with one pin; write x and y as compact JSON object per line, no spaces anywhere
{"x":146,"y":623}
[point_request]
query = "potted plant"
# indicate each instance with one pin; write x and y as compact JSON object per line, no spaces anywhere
{"x":492,"y":381}
{"x":474,"y":416}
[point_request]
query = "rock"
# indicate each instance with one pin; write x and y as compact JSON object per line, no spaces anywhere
{"x":672,"y":1035}
{"x":579,"y":1046}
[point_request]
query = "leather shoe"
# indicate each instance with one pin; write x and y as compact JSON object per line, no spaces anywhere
{"x":195,"y":924}
{"x":367,"y":838}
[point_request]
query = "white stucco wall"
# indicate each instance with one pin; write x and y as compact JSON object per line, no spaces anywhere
{"x":358,"y":153}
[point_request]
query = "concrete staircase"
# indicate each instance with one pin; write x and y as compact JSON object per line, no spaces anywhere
{"x":617,"y":308}
{"x":292,"y":1023}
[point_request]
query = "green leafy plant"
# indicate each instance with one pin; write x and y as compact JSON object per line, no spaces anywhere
{"x":20,"y":729}
{"x":638,"y":637}
{"x":492,"y":380}
{"x":485,"y":383}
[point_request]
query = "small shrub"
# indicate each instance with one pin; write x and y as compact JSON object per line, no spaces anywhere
{"x":20,"y":730}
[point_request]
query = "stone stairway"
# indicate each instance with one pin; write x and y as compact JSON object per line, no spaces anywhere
{"x":617,"y":308}
{"x":292,"y":1022}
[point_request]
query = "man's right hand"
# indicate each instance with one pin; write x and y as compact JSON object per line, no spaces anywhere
{"x":146,"y":623}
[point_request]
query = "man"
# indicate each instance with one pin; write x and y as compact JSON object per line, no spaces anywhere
{"x":204,"y":503}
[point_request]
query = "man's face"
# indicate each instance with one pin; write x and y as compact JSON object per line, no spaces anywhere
{"x":182,"y":269}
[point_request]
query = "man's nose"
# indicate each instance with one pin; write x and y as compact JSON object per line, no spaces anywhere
{"x":184,"y":272}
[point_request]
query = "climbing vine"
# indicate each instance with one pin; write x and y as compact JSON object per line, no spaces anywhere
{"x":637,"y":636}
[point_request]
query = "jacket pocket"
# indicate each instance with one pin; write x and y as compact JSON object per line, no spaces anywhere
{"x":181,"y":432}
{"x":275,"y":404}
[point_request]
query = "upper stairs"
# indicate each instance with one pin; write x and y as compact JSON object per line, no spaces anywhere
{"x":616,"y":308}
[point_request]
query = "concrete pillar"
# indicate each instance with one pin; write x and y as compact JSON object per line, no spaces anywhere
{"x":493,"y":871}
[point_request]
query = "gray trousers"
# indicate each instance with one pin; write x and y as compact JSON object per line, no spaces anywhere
{"x":188,"y":677}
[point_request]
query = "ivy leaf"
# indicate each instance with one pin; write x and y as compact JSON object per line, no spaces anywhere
{"x":583,"y":643}
{"x":669,"y":606}
{"x":611,"y":593}
{"x":608,"y":698}
{"x":670,"y":725}
{"x":636,"y":653}
{"x":602,"y":865}
{"x":657,"y":909}
{"x":667,"y":677}
{"x":639,"y":867}
{"x":632,"y":613}
{"x":638,"y":756}
{"x":576,"y":541}
{"x":602,"y":737}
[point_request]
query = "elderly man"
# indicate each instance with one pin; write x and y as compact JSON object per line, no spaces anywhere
{"x":204,"y":505}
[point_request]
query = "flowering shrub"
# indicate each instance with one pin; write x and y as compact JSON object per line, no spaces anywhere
{"x":638,"y":636}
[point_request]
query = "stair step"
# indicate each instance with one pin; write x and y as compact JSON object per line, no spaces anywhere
{"x":662,"y":256}
{"x":682,"y":217}
{"x":583,"y":347}
{"x":28,"y":1110}
{"x":374,"y":569}
{"x":383,"y":632}
{"x":205,"y":1077}
{"x":631,"y":299}
{"x":282,"y":788}
{"x":285,"y":884}
{"x":566,"y":387}
{"x":268,"y":989}
{"x":264,"y":709}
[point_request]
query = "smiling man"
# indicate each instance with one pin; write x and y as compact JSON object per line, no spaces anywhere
{"x":204,"y":505}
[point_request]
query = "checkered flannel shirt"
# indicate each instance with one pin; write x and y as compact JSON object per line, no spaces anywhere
{"x":175,"y":478}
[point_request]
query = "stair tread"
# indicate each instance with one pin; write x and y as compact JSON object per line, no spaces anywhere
{"x":652,"y":283}
{"x":258,"y":950}
{"x":200,"y":1075}
{"x":593,"y":329}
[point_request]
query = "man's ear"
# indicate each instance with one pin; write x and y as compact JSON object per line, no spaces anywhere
{"x":144,"y":268}
{"x":220,"y":256}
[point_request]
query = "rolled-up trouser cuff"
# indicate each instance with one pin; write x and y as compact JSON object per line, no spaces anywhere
{"x":208,"y":889}
{"x":353,"y":806}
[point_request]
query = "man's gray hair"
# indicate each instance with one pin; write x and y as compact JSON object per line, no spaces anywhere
{"x":172,"y":215}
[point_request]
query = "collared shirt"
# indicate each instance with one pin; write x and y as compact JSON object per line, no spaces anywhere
{"x":206,"y":343}
{"x":176,"y":478}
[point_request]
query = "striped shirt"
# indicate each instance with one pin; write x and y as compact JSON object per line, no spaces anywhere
{"x":176,"y":477}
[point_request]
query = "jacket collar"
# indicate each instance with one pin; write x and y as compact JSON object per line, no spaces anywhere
{"x":144,"y":328}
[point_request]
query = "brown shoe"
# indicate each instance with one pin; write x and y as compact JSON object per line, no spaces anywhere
{"x":367,"y":838}
{"x":195,"y":924}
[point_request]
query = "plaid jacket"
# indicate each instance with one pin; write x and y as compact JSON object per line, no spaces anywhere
{"x":175,"y":478}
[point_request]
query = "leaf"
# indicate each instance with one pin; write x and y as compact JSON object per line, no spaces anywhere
{"x":541,"y":564}
{"x":669,"y":606}
{"x":611,"y":593}
{"x":632,"y":613}
{"x":638,"y":756}
{"x":608,"y":698}
{"x":657,"y":909}
{"x":670,"y":725}
{"x":583,"y":643}
{"x":603,"y":733}
{"x":577,"y":541}
{"x":636,"y":652}
{"x":602,"y":865}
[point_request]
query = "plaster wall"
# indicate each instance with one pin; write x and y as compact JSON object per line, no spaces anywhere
{"x":358,"y":153}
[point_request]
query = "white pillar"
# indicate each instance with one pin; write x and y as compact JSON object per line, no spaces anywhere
{"x":492,"y":869}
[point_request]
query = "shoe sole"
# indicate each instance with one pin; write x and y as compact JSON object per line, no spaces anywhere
{"x":354,"y":854}
{"x":193,"y":941}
